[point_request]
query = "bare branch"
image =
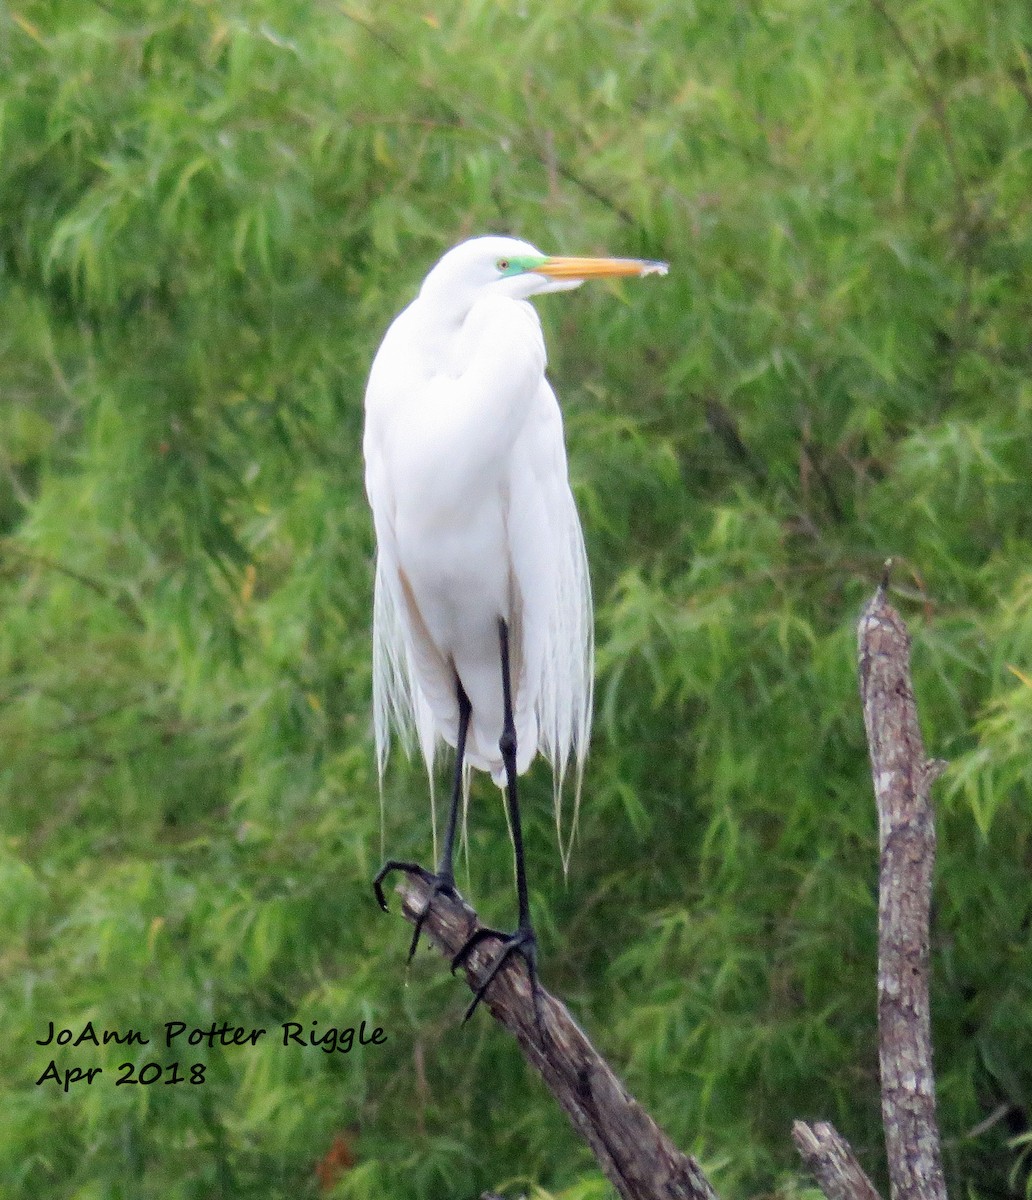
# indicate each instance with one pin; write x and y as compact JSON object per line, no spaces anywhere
{"x":832,"y":1162}
{"x":902,"y":779}
{"x":637,"y":1157}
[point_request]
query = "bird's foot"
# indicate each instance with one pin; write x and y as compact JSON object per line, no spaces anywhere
{"x":442,"y":882}
{"x":521,"y":942}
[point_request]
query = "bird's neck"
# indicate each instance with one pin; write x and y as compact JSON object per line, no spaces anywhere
{"x":444,"y":306}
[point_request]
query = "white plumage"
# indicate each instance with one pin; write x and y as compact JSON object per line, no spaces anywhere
{"x":482,"y":609}
{"x":475,"y":521}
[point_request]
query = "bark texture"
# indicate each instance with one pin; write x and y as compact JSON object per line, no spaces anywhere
{"x":832,"y":1162}
{"x":637,"y":1157}
{"x":902,"y":780}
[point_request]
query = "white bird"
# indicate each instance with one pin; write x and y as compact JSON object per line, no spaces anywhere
{"x":482,"y":626}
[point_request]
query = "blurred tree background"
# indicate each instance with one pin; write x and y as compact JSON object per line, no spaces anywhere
{"x":209,"y":212}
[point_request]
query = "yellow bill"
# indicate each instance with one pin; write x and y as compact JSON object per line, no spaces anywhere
{"x":598,"y":268}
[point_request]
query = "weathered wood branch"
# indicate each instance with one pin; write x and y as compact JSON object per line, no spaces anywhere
{"x":832,"y":1162}
{"x":637,"y":1157}
{"x":906,"y":835}
{"x":902,"y":781}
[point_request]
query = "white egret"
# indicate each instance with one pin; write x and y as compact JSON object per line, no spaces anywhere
{"x":482,"y":627}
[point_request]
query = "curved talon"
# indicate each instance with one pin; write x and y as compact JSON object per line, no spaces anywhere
{"x":439,"y":884}
{"x":471,"y":943}
{"x":522,"y":942}
{"x":397,"y":864}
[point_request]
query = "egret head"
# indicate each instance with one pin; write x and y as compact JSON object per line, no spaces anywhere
{"x":514,"y":268}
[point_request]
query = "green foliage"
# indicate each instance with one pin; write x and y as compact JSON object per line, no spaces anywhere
{"x":208,"y":215}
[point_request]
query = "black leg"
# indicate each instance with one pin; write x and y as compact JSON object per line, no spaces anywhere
{"x":445,"y":870}
{"x":522,"y":941}
{"x":444,"y":880}
{"x":507,"y":745}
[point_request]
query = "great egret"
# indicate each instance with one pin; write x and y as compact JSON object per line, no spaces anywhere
{"x":482,"y":630}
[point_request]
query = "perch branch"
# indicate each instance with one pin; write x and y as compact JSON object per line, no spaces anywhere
{"x":832,"y":1162}
{"x":637,"y":1157}
{"x":902,"y":781}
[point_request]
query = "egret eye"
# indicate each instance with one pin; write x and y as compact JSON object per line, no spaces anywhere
{"x":502,"y":264}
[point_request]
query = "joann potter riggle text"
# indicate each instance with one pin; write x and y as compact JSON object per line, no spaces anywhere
{"x":176,"y":1037}
{"x":177,"y":1034}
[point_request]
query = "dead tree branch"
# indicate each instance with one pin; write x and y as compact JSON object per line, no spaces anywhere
{"x":906,"y":835}
{"x":637,"y":1157}
{"x":832,"y":1162}
{"x":902,"y":780}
